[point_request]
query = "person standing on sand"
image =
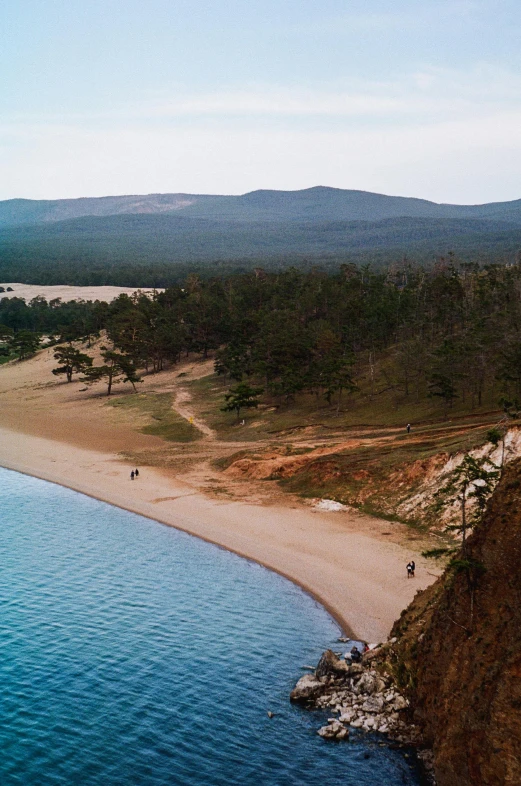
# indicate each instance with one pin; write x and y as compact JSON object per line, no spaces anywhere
{"x":132,"y":475}
{"x":410,"y":570}
{"x":408,"y":427}
{"x":413,"y":567}
{"x":136,"y":473}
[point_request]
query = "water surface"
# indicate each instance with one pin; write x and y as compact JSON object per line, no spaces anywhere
{"x":131,"y":653}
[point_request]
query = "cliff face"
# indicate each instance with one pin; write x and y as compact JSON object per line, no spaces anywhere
{"x":461,"y":667}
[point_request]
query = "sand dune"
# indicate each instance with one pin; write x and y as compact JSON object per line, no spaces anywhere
{"x":66,"y":293}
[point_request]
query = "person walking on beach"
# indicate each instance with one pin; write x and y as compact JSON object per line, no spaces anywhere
{"x":413,"y":567}
{"x":132,"y":475}
{"x":410,"y":571}
{"x":136,"y":473}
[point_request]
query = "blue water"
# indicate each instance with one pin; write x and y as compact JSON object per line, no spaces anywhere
{"x":131,"y":653}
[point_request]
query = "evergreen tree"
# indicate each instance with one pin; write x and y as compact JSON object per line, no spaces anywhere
{"x":24,"y":343}
{"x":241,"y":397}
{"x":116,"y":368}
{"x":72,"y":361}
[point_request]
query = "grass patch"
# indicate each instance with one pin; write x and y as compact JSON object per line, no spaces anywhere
{"x":309,"y":414}
{"x":164,"y":421}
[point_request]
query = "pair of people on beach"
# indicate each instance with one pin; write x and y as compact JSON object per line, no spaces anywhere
{"x":134,"y":474}
{"x":411,"y":567}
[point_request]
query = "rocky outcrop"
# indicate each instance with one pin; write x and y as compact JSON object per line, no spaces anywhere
{"x":434,"y":473}
{"x":362,"y":696}
{"x":458,"y":652}
{"x":330,"y":665}
{"x":307,"y":689}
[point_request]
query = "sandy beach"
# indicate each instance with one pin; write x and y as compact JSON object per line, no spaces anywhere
{"x":352,"y":563}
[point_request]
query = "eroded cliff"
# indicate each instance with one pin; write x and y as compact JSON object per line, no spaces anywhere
{"x":458,"y":652}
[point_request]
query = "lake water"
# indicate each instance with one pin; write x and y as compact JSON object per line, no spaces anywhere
{"x":134,"y":654}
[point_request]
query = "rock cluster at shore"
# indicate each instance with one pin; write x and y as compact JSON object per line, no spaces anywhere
{"x":363,"y":696}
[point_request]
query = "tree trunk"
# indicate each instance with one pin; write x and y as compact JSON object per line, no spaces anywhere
{"x":464,"y":521}
{"x":371,"y":369}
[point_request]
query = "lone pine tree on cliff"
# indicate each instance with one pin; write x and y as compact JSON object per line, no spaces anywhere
{"x":471,"y":481}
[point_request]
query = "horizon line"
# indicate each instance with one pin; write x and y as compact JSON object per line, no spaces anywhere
{"x":255,"y":191}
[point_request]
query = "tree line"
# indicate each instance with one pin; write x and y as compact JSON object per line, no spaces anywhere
{"x":451,"y":332}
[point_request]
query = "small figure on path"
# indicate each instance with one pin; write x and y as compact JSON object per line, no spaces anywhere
{"x":410,"y":569}
{"x":132,"y":475}
{"x":408,"y":428}
{"x":136,"y":473}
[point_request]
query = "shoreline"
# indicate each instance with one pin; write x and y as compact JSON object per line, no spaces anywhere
{"x":343,"y":625}
{"x":358,"y":578}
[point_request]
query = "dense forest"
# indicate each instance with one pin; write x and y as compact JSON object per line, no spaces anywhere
{"x":449,"y":332}
{"x":160,"y":250}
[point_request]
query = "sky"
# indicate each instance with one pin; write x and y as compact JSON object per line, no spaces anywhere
{"x":409,"y":97}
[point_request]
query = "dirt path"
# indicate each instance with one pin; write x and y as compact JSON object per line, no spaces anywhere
{"x":181,"y":397}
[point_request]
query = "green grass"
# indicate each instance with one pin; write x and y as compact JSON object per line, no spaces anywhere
{"x":207,"y":396}
{"x":391,"y":409}
{"x":165,"y":422}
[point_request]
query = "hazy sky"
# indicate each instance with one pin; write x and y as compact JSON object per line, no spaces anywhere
{"x":410,"y":97}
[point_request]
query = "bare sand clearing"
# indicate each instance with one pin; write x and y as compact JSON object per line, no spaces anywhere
{"x":68,"y":435}
{"x":28,"y":291}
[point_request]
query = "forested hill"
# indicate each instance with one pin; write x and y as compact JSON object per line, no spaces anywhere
{"x":311,"y":204}
{"x":156,"y":240}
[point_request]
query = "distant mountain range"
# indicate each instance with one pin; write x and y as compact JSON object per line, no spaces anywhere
{"x":311,"y":204}
{"x":104,"y":239}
